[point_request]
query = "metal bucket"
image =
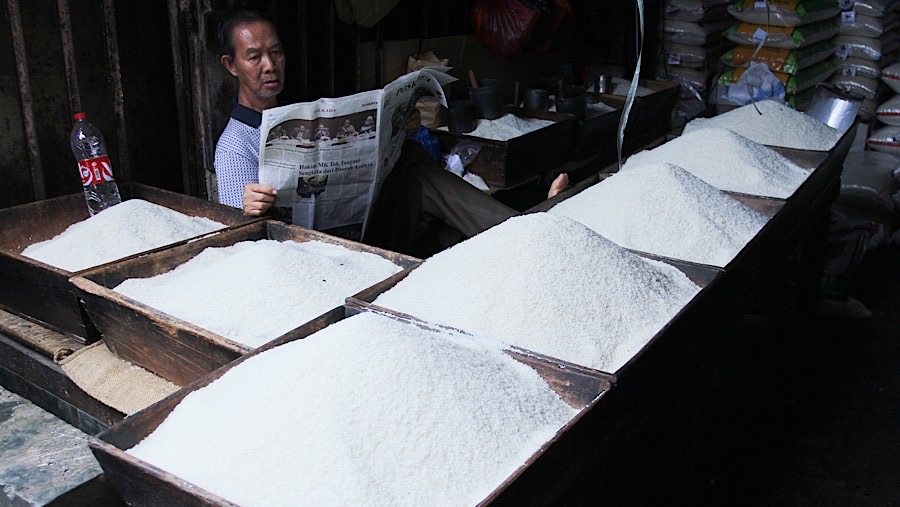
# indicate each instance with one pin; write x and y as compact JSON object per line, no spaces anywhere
{"x":835,"y":107}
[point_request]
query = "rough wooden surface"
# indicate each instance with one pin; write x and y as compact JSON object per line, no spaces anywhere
{"x":46,"y":341}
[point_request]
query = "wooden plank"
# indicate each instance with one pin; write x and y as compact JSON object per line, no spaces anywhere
{"x":34,"y":376}
{"x":44,"y":340}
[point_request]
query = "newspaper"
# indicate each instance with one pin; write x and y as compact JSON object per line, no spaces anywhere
{"x":329,"y":158}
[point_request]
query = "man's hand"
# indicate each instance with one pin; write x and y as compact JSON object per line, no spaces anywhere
{"x":258,"y":198}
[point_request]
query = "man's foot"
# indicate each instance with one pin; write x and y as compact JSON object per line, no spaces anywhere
{"x":851,"y":309}
{"x":559,"y":184}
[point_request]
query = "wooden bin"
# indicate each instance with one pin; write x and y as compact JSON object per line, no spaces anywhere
{"x":140,"y":483}
{"x":702,"y":275}
{"x":40,"y":292}
{"x":505,"y":163}
{"x":650,"y":115}
{"x":597,"y":131}
{"x":170,"y":347}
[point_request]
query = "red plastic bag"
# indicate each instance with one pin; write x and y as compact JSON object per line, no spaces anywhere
{"x":504,"y":26}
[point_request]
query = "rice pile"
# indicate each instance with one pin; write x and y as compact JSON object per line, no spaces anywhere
{"x":548,"y":284}
{"x":665,"y":210}
{"x":255,"y":291}
{"x":507,"y":127}
{"x":367,"y":411}
{"x":773,"y":124}
{"x":728,"y":161}
{"x":128,"y":228}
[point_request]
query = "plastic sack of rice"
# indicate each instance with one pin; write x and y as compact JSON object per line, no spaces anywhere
{"x":782,"y":37}
{"x":886,"y":139}
{"x":861,"y":25}
{"x":789,"y":61}
{"x":800,"y":100}
{"x":696,"y":78}
{"x":866,"y":86}
{"x":696,"y":34}
{"x":847,"y":46}
{"x":806,"y":78}
{"x":784,"y":12}
{"x":689,"y":56}
{"x":867,"y":181}
{"x":889,"y":111}
{"x":875,"y":8}
{"x":857,"y":67}
{"x":891,"y":77}
{"x":696,"y":11}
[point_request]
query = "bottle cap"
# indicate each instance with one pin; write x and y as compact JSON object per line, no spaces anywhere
{"x":80,"y":116}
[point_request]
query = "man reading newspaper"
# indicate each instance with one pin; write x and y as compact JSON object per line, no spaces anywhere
{"x":339,"y":181}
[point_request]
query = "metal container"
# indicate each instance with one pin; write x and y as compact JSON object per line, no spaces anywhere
{"x":835,"y":107}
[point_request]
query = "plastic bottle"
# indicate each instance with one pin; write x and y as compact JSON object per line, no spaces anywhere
{"x":89,"y":148}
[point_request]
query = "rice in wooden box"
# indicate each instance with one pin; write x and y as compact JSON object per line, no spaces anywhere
{"x":172,"y":347}
{"x":40,"y":292}
{"x":505,"y":163}
{"x":548,"y":466}
{"x":515,"y":299}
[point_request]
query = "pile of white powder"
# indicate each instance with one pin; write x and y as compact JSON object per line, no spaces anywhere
{"x":507,"y":127}
{"x":774,"y":124}
{"x":255,"y":291}
{"x":734,"y":163}
{"x":367,"y":411}
{"x":125,"y":229}
{"x":548,"y":284}
{"x":665,"y":210}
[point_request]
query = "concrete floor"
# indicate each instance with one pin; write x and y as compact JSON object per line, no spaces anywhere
{"x":807,"y":411}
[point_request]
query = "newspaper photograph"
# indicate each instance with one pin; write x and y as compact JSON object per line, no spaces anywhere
{"x":322,"y":157}
{"x":328,"y":158}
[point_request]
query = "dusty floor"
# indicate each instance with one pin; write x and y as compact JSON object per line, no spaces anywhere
{"x":808,"y":410}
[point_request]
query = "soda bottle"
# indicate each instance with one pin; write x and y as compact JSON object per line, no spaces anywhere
{"x":89,"y":148}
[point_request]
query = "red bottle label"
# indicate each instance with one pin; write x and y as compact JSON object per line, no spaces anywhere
{"x":95,"y":170}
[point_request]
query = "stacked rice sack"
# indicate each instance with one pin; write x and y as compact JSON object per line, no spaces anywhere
{"x":885,"y":133}
{"x":692,"y":41}
{"x":866,"y":42}
{"x":797,"y":49}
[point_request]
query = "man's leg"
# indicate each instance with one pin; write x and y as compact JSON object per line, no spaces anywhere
{"x":423,"y":209}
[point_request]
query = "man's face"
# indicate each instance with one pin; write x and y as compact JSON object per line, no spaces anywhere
{"x":258,"y":64}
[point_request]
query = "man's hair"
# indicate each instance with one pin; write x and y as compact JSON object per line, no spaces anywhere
{"x":234,"y":18}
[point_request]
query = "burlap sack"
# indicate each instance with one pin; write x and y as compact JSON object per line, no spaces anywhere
{"x":115,"y":382}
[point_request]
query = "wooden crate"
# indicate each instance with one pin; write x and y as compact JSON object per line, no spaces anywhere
{"x":40,"y":292}
{"x":170,"y":347}
{"x":504,"y":163}
{"x":650,"y":115}
{"x":597,"y":131}
{"x":140,"y":483}
{"x":702,"y":275}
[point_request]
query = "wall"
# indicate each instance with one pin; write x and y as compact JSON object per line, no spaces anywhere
{"x":148,"y":74}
